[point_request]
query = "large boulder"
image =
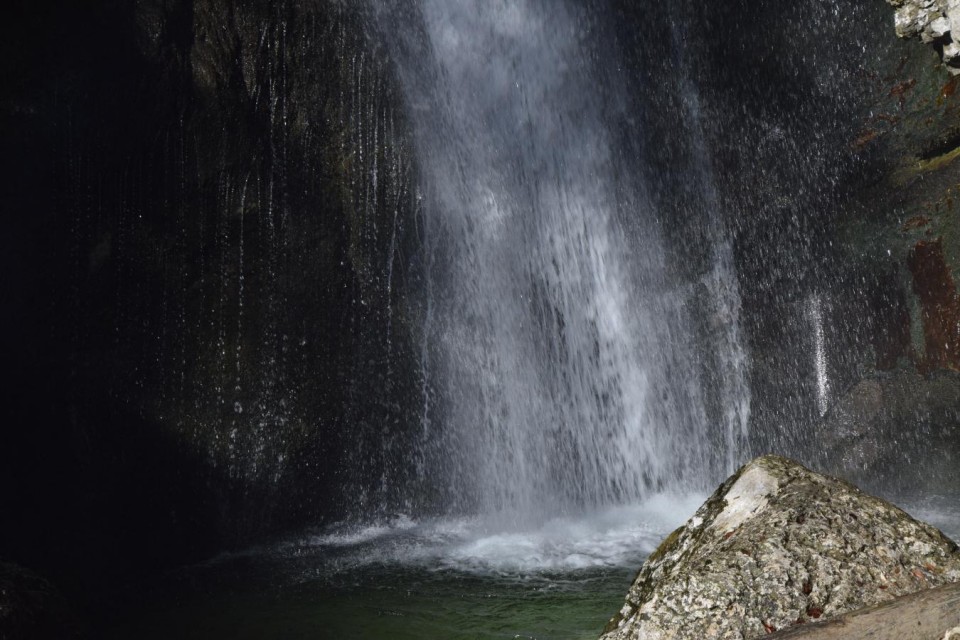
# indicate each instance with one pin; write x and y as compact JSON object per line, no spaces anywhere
{"x":779,"y":545}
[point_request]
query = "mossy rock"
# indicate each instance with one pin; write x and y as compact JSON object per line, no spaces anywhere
{"x":779,"y":545}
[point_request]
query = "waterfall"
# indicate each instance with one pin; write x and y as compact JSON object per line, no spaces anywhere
{"x":720,"y":282}
{"x":565,"y":369}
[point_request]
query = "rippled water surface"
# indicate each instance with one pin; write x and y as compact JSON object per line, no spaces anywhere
{"x":449,"y":578}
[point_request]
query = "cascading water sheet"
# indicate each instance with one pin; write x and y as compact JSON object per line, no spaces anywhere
{"x":565,"y":374}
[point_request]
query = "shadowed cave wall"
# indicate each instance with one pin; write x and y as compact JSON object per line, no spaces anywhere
{"x":211,"y":227}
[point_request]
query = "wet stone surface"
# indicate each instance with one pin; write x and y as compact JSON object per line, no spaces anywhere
{"x":779,"y":545}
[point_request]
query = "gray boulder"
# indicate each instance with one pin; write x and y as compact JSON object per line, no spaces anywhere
{"x":779,"y":545}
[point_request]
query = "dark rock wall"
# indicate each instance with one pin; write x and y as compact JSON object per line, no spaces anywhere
{"x":790,"y":89}
{"x":832,"y":146}
{"x":211,"y":229}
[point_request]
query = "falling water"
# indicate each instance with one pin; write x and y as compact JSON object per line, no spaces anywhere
{"x":564,"y":366}
{"x":815,"y":311}
{"x":720,"y":282}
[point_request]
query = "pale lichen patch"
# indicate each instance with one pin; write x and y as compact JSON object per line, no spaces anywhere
{"x":748,"y":495}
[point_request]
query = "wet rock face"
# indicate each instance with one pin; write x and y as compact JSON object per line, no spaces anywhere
{"x":210,"y":338}
{"x":934,"y":22}
{"x":295,"y":193}
{"x":921,"y":414}
{"x":882,"y":248}
{"x":940,"y":306}
{"x":779,"y":545}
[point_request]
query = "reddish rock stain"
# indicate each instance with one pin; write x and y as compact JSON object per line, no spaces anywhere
{"x":950,"y":88}
{"x":901,"y":88}
{"x":939,"y":304}
{"x":916,"y":222}
{"x":865,"y":137}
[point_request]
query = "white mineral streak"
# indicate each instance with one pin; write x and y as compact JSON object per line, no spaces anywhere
{"x":815,"y":307}
{"x":746,"y":497}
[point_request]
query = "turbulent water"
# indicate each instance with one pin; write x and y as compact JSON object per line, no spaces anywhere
{"x":448,"y":577}
{"x":563,"y":366}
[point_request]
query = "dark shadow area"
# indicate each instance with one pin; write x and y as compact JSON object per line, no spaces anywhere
{"x":94,"y":492}
{"x":198,"y":331}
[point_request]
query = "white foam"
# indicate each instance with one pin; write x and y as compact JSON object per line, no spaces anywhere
{"x":348,"y":535}
{"x":614,"y":537}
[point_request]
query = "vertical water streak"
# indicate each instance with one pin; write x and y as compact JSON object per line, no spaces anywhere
{"x":238,"y":406}
{"x":380,"y":456}
{"x":723,"y":304}
{"x":425,"y":365}
{"x":815,"y":313}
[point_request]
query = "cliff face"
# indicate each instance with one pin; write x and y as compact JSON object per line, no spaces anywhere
{"x":832,"y":143}
{"x":902,"y":238}
{"x":211,"y":223}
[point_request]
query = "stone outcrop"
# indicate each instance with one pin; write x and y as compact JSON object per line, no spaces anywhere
{"x":917,"y":413}
{"x":225,"y":317}
{"x":778,"y":545}
{"x":934,"y":22}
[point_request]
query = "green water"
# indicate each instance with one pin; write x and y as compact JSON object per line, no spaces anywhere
{"x":394,"y":603}
{"x":446,"y":579}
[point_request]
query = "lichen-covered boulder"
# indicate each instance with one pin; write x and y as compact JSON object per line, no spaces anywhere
{"x":779,"y":545}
